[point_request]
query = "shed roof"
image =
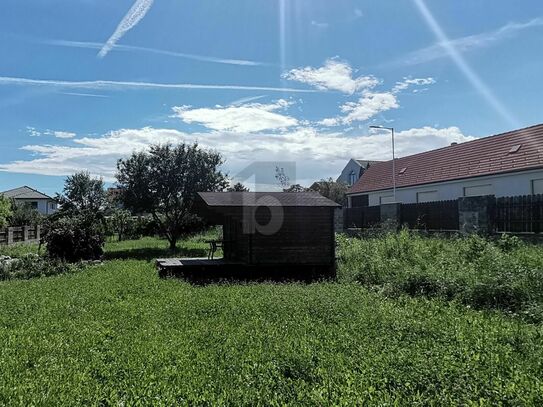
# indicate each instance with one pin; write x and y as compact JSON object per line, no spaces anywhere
{"x":253,"y":199}
{"x":516,"y":150}
{"x":25,"y":192}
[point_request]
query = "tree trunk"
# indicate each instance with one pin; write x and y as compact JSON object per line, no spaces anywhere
{"x":173,"y":243}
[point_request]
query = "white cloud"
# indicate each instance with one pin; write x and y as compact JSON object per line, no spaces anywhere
{"x":64,"y":134}
{"x":319,"y":24}
{"x":33,"y":132}
{"x":468,"y":43}
{"x":124,"y":85}
{"x":334,"y":75}
{"x":329,"y":122}
{"x":247,"y":118}
{"x":417,"y":140}
{"x":407,"y":82}
{"x":369,"y":105}
{"x":130,"y":20}
{"x":317,"y":155}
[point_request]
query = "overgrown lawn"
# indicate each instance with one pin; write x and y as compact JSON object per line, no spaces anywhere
{"x":504,"y":273}
{"x":116,"y":334}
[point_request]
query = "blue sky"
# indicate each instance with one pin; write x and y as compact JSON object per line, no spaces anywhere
{"x":85,"y":82}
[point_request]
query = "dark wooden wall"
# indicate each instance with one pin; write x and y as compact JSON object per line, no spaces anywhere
{"x":306,"y":237}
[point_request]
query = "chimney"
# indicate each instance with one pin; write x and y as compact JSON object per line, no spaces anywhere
{"x":454,"y":143}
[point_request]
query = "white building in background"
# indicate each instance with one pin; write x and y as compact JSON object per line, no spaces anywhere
{"x":508,"y":164}
{"x":353,"y":171}
{"x":44,"y":204}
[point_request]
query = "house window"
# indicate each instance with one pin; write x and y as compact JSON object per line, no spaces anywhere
{"x":359,"y":201}
{"x":352,"y":178}
{"x":427,"y":196}
{"x":52,"y":206}
{"x":386,"y":199}
{"x":479,"y":190}
{"x":34,"y":205}
{"x":537,"y":186}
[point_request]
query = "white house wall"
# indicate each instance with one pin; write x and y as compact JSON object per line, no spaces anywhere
{"x":45,"y":206}
{"x":512,"y":184}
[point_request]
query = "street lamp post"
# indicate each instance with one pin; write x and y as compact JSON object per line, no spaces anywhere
{"x":393,"y":158}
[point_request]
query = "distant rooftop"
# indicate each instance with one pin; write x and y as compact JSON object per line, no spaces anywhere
{"x":366,"y":163}
{"x":25,"y":192}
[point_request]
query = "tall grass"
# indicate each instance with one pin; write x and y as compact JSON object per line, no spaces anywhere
{"x":504,"y":274}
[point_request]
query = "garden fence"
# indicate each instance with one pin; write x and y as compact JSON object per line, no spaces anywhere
{"x":517,"y":214}
{"x":20,"y":234}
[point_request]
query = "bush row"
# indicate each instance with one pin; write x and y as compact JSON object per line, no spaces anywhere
{"x":503,"y":274}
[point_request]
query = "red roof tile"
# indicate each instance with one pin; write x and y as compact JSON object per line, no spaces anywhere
{"x":484,"y":156}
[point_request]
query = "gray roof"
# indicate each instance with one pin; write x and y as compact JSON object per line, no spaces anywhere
{"x":313,"y":199}
{"x":25,"y":193}
{"x":366,"y":163}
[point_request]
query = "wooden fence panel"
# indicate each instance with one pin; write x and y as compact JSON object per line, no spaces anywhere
{"x":440,"y":215}
{"x":32,"y":233}
{"x":519,"y":214}
{"x":18,"y":234}
{"x":362,"y":217}
{"x":14,"y":235}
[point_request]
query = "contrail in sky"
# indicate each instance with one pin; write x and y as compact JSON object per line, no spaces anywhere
{"x":131,"y":48}
{"x":132,"y":18}
{"x":127,"y":85}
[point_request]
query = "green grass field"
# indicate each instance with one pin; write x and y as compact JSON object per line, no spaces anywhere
{"x":116,"y":334}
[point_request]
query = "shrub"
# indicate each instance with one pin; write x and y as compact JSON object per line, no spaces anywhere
{"x":32,"y":266}
{"x":5,"y":211}
{"x":74,"y":238}
{"x":23,"y":214}
{"x":77,"y":231}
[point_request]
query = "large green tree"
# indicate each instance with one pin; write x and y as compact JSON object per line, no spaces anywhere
{"x":82,"y":192}
{"x":336,"y":191}
{"x":163,"y":182}
{"x":238,"y":187}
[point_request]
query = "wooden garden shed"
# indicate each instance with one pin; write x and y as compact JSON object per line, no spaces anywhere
{"x":283,"y":230}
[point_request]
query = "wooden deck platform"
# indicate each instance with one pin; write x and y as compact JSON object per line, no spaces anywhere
{"x":201,"y":270}
{"x":192,"y":261}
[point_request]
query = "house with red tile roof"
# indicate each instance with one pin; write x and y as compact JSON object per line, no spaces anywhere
{"x":507,"y":164}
